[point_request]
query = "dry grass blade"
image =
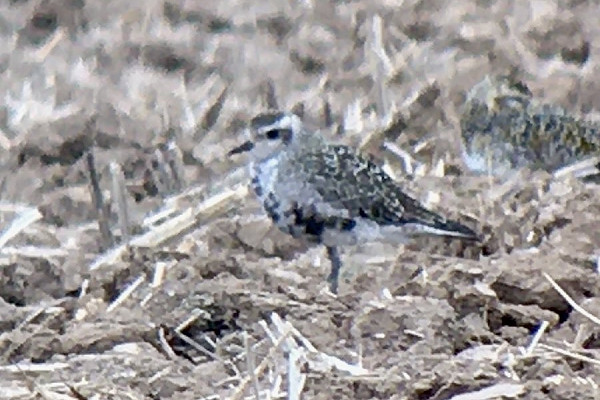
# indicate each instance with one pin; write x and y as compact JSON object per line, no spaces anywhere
{"x":536,"y":338}
{"x":212,"y":114}
{"x":408,"y":161}
{"x":507,"y":188}
{"x":220,"y":201}
{"x":162,"y":175}
{"x":572,"y":302}
{"x":319,"y":360}
{"x":175,"y":161}
{"x":250,"y":365}
{"x":164,"y":344}
{"x":296,"y":379}
{"x":240,"y":390}
{"x":26,"y":330}
{"x":327,"y":114}
{"x":570,"y":354}
{"x":45,"y":50}
{"x":376,"y":44}
{"x":197,"y":346}
{"x":34,"y":252}
{"x":124,"y":295}
{"x":102,"y":213}
{"x":353,"y":121}
{"x":119,"y":200}
{"x":160,"y":269}
{"x":176,"y":225}
{"x":382,"y":64}
{"x":205,"y":93}
{"x":496,"y":391}
{"x":23,"y":220}
{"x":108,"y":257}
{"x":193,"y":317}
{"x":580,"y":169}
{"x":34,"y":367}
{"x":268,"y":95}
{"x":18,"y":391}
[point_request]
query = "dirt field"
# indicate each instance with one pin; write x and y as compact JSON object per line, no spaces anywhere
{"x":209,"y":301}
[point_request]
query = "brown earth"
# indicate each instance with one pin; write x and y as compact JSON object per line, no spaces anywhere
{"x":163,"y":88}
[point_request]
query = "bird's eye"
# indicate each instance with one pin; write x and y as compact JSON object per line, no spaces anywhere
{"x":273,"y":134}
{"x":522,"y":88}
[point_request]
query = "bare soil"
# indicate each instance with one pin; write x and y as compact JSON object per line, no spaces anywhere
{"x":162,"y":89}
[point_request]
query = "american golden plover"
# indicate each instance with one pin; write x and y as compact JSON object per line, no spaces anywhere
{"x":330,"y":194}
{"x":504,"y":128}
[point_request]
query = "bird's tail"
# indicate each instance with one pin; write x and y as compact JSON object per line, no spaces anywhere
{"x":436,"y":225}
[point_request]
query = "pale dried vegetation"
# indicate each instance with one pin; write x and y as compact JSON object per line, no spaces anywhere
{"x":135,"y":264}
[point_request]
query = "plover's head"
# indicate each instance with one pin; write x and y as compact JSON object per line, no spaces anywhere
{"x":494,"y":125}
{"x":269,"y":133}
{"x":499,"y":92}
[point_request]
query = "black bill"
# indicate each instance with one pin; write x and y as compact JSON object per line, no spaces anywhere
{"x":244,"y":147}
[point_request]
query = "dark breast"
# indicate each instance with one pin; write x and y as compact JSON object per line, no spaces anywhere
{"x":307,"y":223}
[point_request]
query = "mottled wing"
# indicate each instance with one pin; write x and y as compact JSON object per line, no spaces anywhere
{"x":347,"y":180}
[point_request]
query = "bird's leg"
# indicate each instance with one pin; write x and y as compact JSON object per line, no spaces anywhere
{"x":336,"y":264}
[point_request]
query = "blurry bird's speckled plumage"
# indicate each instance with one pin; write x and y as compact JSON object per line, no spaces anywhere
{"x":330,"y":194}
{"x":503,"y":129}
